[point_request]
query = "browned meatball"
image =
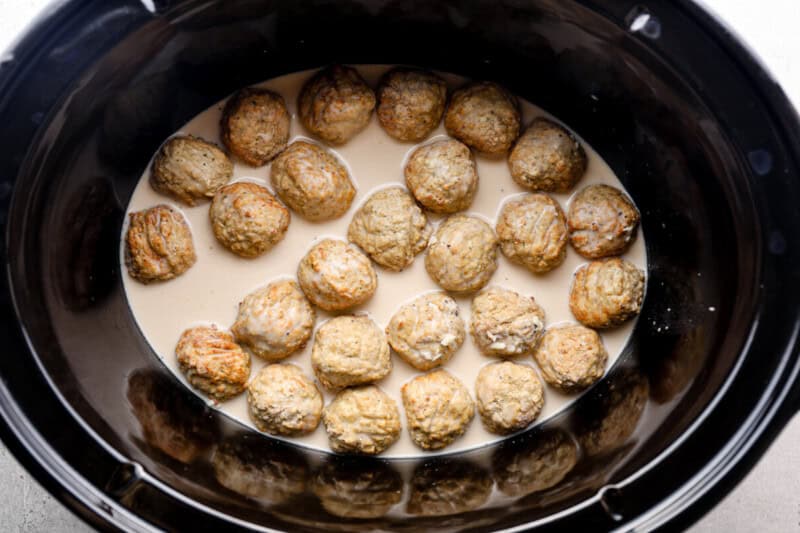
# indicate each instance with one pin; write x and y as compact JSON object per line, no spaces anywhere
{"x":602,"y":222}
{"x":571,"y":357}
{"x":362,"y":420}
{"x":442,"y":176}
{"x":533,"y":232}
{"x":190,"y":169}
{"x":410,"y":103}
{"x":509,"y":396}
{"x":158,"y":245}
{"x":504,"y":323}
{"x":255,"y":125}
{"x":247,"y":219}
{"x":336,"y":104}
{"x":547,"y":158}
{"x":462,"y":254}
{"x":438,"y":409}
{"x":484,"y":116}
{"x":606,"y":293}
{"x":283,"y":401}
{"x":212,"y":362}
{"x":335,"y":275}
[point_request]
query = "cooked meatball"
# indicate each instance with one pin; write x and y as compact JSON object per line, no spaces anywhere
{"x":547,"y":157}
{"x":283,"y":401}
{"x":462,"y":254}
{"x":602,"y":222}
{"x":447,"y":487}
{"x":484,"y":116}
{"x":534,"y":464}
{"x":533,"y":232}
{"x":505,"y":323}
{"x":390,"y":228}
{"x":509,"y":396}
{"x":158,"y":245}
{"x":442,"y":176}
{"x":212,"y":362}
{"x":312,"y":181}
{"x":438,"y":409}
{"x":427,"y":331}
{"x":275,"y":321}
{"x":190,"y":169}
{"x":247,"y":219}
{"x":350,"y":350}
{"x":255,"y":125}
{"x":357,"y":487}
{"x":606,"y":293}
{"x":571,"y":357}
{"x":410,"y":103}
{"x":335,"y":275}
{"x":361,"y":420}
{"x":336,"y":104}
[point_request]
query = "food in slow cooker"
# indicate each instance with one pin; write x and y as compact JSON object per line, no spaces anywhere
{"x":362,"y":488}
{"x":247,"y":220}
{"x":442,"y":176}
{"x":571,"y":357}
{"x":312,"y":182}
{"x":532,"y":231}
{"x":462,"y":254}
{"x":255,"y":125}
{"x":335,"y":104}
{"x":275,"y":321}
{"x":427,"y":331}
{"x":361,"y":420}
{"x":606,"y":293}
{"x":212,"y":362}
{"x":410,"y":103}
{"x":484,"y":116}
{"x":509,"y":396}
{"x":282,"y":400}
{"x":190,"y":169}
{"x":158,"y":244}
{"x":602,"y":222}
{"x":504,"y":323}
{"x":447,"y":487}
{"x":390,"y":228}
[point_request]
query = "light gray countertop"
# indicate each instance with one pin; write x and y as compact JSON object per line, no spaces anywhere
{"x":766,"y":500}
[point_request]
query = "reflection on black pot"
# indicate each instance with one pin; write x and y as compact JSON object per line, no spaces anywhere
{"x":357,"y":487}
{"x":442,"y":487}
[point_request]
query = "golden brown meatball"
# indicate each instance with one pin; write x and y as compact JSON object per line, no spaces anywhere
{"x":442,"y":176}
{"x":212,"y":362}
{"x":357,"y":487}
{"x":312,"y":181}
{"x":602,"y":222}
{"x":336,"y":104}
{"x":410,"y":103}
{"x":505,"y":323}
{"x":335,"y":275}
{"x":606,"y":293}
{"x":462,"y":254}
{"x":255,"y":125}
{"x":448,"y":487}
{"x":190,"y":169}
{"x":361,"y":420}
{"x":534,"y":464}
{"x":484,"y":116}
{"x":158,"y":244}
{"x":571,"y":357}
{"x":247,"y":219}
{"x":275,"y":321}
{"x":283,"y":401}
{"x":509,"y":396}
{"x":350,"y":350}
{"x":533,"y":232}
{"x":547,"y":158}
{"x":438,"y":409}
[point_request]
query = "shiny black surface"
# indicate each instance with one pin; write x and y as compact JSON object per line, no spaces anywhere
{"x":694,"y":128}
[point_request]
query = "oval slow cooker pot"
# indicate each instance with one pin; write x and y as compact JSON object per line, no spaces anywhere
{"x":700,"y":135}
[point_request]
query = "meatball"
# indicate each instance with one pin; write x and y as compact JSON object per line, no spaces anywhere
{"x":361,"y":420}
{"x":158,"y":245}
{"x":602,"y":222}
{"x":275,"y":321}
{"x":534,"y":464}
{"x":484,"y":116}
{"x":359,"y":487}
{"x":350,"y":350}
{"x":462,"y":254}
{"x":390,"y":228}
{"x":606,"y":293}
{"x":410,"y":103}
{"x":438,"y":409}
{"x":442,"y":176}
{"x":335,"y":275}
{"x":312,"y":181}
{"x":336,"y":104}
{"x":571,"y":357}
{"x":283,"y":401}
{"x":509,"y":396}
{"x":547,"y":157}
{"x":255,"y":125}
{"x":447,"y":487}
{"x":247,"y":219}
{"x":505,"y":323}
{"x":190,"y":169}
{"x":533,"y":232}
{"x":427,"y":331}
{"x":212,"y":362}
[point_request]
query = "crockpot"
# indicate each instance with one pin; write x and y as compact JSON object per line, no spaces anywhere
{"x":698,"y":132}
